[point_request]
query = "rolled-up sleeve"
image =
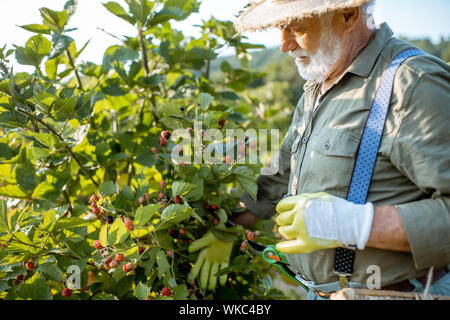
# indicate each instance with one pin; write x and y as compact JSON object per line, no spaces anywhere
{"x":421,"y":151}
{"x":273,"y":186}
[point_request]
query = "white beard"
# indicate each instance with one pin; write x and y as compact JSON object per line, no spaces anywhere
{"x":322,"y":62}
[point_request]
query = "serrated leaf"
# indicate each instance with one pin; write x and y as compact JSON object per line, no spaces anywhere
{"x":176,"y":213}
{"x":72,"y":222}
{"x":117,"y":232}
{"x":141,"y":291}
{"x":51,"y":270}
{"x":103,"y":235}
{"x":36,"y":28}
{"x":144,"y":214}
{"x":3,"y":216}
{"x":205,"y":101}
{"x":163,"y":264}
{"x":107,"y":188}
{"x":49,"y":220}
{"x":118,"y":11}
{"x":180,"y":188}
{"x":35,"y":288}
{"x":26,"y":176}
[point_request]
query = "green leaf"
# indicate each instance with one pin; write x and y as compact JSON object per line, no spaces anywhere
{"x":55,"y":20}
{"x":47,"y":191}
{"x":116,"y":54}
{"x":163,"y":264}
{"x":118,"y":11}
{"x":107,"y":188}
{"x":117,"y":233}
{"x":247,"y":180}
{"x":26,"y":176}
{"x":141,"y":291}
{"x":103,"y":235}
{"x":47,"y":139}
{"x":36,"y":48}
{"x":36,"y":28}
{"x":140,"y":9}
{"x":51,"y":270}
{"x":49,"y":220}
{"x":72,"y":222}
{"x":44,"y":100}
{"x":144,"y":214}
{"x":180,"y":188}
{"x":60,"y":44}
{"x":176,"y":213}
{"x":205,"y":101}
{"x":3,"y":216}
{"x":12,"y":191}
{"x":35,"y":288}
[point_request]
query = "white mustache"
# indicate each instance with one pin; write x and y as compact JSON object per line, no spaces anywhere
{"x":298,"y":53}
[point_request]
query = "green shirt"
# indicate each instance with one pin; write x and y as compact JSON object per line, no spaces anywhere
{"x":412,"y":170}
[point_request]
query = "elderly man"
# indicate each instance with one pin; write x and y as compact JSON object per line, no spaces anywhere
{"x":335,"y":227}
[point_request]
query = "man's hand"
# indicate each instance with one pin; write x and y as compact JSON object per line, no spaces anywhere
{"x":215,"y":256}
{"x":318,"y":221}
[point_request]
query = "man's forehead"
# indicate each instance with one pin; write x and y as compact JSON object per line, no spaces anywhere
{"x":302,"y":23}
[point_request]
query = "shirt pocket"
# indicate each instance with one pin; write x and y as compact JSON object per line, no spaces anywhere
{"x":329,"y":161}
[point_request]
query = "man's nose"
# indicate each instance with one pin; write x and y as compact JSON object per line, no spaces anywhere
{"x":288,"y":41}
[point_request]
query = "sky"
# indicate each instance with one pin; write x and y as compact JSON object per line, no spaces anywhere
{"x":412,"y":18}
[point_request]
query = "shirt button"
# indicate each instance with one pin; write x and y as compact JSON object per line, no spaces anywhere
{"x":304,"y":139}
{"x":327,"y":146}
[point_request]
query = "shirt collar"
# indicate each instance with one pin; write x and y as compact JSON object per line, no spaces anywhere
{"x":364,"y":62}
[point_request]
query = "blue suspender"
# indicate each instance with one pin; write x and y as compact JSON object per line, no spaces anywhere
{"x":367,"y":153}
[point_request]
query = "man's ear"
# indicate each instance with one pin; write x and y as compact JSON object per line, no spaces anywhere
{"x":350,"y":18}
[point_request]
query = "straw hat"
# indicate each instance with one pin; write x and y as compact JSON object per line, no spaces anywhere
{"x":263,"y":14}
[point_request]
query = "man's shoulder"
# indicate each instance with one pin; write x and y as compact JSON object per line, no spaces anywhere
{"x":417,"y":66}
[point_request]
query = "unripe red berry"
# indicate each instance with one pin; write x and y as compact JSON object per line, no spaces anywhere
{"x":119,"y":257}
{"x":29,"y":265}
{"x":96,"y":211}
{"x":142,"y":200}
{"x":20,"y":277}
{"x":207,"y":207}
{"x":98,"y":245}
{"x":250,"y":235}
{"x":243,"y":246}
{"x":94,"y":204}
{"x":94,"y":198}
{"x":166,"y":292}
{"x":214,"y":207}
{"x":182,"y":231}
{"x":162,"y":184}
{"x":216,"y":221}
{"x":183,"y":164}
{"x":162,"y":141}
{"x":128,"y":267}
{"x":177,"y":199}
{"x":16,"y":282}
{"x":154,"y":150}
{"x":169,"y":253}
{"x":113,"y":264}
{"x":141,"y":250}
{"x":129,"y":225}
{"x":222,"y":122}
{"x":148,"y":298}
{"x":108,"y":261}
{"x":66,"y":293}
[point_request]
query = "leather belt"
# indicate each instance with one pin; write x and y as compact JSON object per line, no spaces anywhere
{"x":406,"y":286}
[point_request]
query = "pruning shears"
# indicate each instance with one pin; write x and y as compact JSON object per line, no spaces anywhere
{"x":271,"y":255}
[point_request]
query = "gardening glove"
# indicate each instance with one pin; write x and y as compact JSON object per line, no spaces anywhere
{"x":318,"y":221}
{"x":215,"y":256}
